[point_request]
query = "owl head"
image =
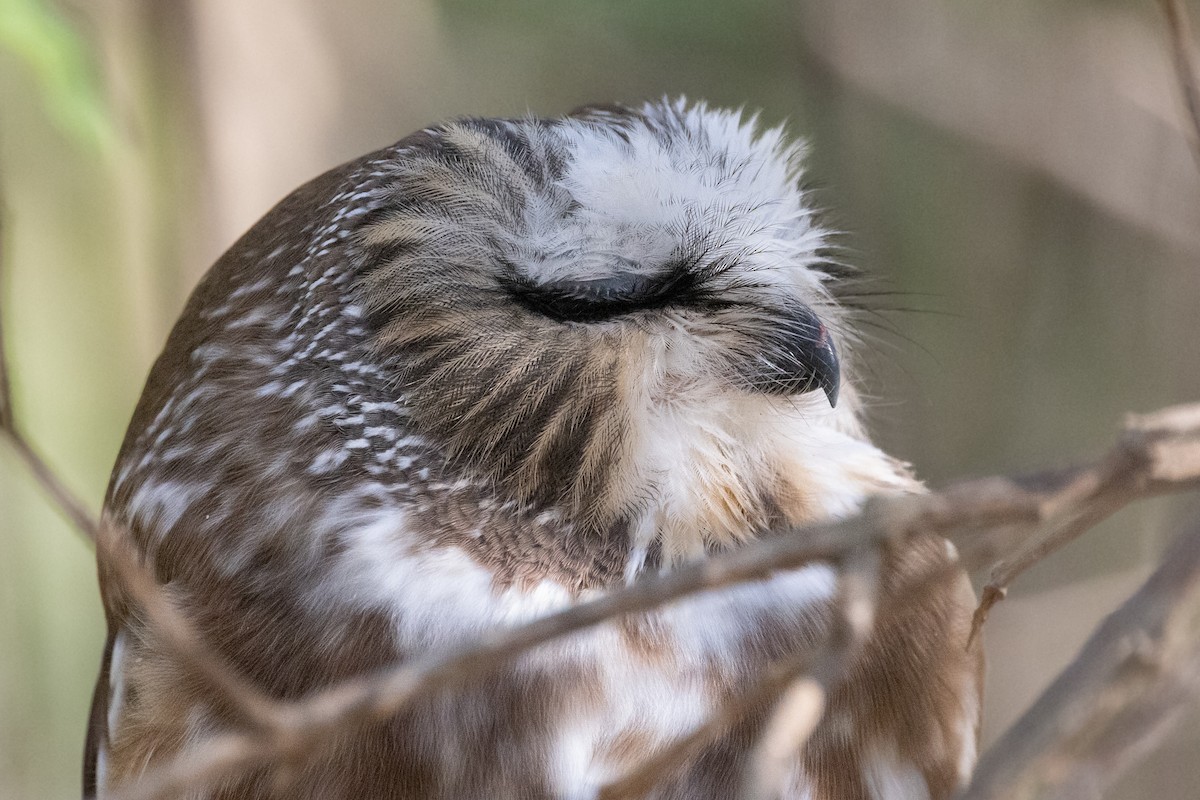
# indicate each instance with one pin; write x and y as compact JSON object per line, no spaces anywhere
{"x":621,"y":315}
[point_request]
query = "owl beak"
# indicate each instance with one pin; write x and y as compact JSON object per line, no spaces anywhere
{"x":826,"y":373}
{"x":798,"y":357}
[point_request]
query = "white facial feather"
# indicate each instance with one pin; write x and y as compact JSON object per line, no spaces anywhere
{"x":639,"y":193}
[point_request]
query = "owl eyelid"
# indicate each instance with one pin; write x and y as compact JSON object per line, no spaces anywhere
{"x":600,"y":299}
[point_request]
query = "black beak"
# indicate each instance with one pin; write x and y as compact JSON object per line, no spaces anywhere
{"x":797,"y":356}
{"x":826,"y":369}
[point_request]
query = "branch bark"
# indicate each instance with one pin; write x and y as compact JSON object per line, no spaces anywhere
{"x":116,"y":550}
{"x":640,"y":780}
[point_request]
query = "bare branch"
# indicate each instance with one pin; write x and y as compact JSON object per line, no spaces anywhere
{"x":249,"y":706}
{"x":793,"y":721}
{"x":76,"y":511}
{"x":1156,"y":451}
{"x":641,"y":779}
{"x":82,"y":521}
{"x":1129,"y":737}
{"x":770,"y":685}
{"x":1109,"y":700}
{"x":116,"y":550}
{"x":356,"y":702}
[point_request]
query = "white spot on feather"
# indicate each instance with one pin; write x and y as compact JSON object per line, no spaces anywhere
{"x":968,"y":752}
{"x":116,"y":684}
{"x":158,"y":505}
{"x":889,"y":777}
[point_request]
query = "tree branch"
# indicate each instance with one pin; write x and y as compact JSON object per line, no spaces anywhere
{"x":769,"y":686}
{"x":640,"y":780}
{"x":1156,"y":452}
{"x":1108,"y":702}
{"x":250,"y":707}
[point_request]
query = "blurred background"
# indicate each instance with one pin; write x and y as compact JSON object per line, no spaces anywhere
{"x":1018,"y":170}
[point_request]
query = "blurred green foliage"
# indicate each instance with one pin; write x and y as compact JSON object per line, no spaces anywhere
{"x":60,"y":254}
{"x":38,"y":35}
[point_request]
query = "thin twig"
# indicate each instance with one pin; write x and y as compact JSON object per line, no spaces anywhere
{"x":80,"y":517}
{"x":1154,"y":448}
{"x":1146,"y":647}
{"x":115,"y":549}
{"x":1091,"y":512}
{"x":1183,"y":51}
{"x":82,"y":521}
{"x":245,"y":702}
{"x":7,"y":415}
{"x":359,"y":701}
{"x":641,"y":779}
{"x":1130,"y":736}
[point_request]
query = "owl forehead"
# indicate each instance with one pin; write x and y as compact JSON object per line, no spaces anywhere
{"x":673,"y":184}
{"x":581,"y":197}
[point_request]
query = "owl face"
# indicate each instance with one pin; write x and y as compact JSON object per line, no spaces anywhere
{"x":581,"y":309}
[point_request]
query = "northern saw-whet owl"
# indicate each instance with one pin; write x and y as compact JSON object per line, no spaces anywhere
{"x":498,"y":368}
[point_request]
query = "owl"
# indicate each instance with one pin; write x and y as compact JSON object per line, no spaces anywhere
{"x":494,"y":370}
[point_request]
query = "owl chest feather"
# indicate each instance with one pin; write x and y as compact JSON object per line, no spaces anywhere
{"x":647,"y":679}
{"x":608,"y":696}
